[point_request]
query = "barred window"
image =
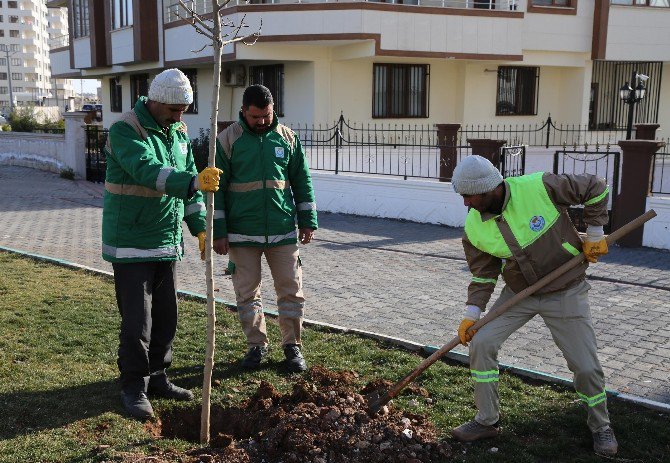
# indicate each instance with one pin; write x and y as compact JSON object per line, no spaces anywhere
{"x":115,"y":95}
{"x":3,"y":75}
{"x":192,"y":75}
{"x":271,"y":76}
{"x":400,"y":90}
{"x":517,"y":91}
{"x":139,"y":86}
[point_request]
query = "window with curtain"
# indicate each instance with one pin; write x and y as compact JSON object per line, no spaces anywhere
{"x":271,"y":76}
{"x":400,"y":90}
{"x":517,"y":91}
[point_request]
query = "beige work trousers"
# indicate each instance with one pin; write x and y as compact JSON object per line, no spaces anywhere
{"x":568,"y":317}
{"x":284,"y":263}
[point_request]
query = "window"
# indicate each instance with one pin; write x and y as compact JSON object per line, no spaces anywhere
{"x":17,"y":76}
{"x":662,"y":3}
{"x":400,"y":90}
{"x":272,"y":76}
{"x":138,"y":87}
{"x":12,"y":4}
{"x":80,"y":18}
{"x":18,"y":89}
{"x":16,"y":62}
{"x":115,"y":95}
{"x":122,"y":13}
{"x":4,"y":90}
{"x":3,"y":76}
{"x":3,"y":61}
{"x":2,"y":19}
{"x":13,"y":19}
{"x":192,"y":75}
{"x":517,"y":91}
{"x":14,"y":33}
{"x":2,"y":32}
{"x":14,"y":47}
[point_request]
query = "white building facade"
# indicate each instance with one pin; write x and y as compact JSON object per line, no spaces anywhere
{"x":25,"y":74}
{"x":57,"y":28}
{"x":410,"y":62}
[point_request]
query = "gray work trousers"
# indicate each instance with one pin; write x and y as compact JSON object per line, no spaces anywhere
{"x":284,"y":263}
{"x":567,"y":315}
{"x":146,"y":294}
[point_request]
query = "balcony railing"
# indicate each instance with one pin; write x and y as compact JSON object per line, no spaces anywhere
{"x":59,"y":42}
{"x":652,"y":3}
{"x":205,"y":6}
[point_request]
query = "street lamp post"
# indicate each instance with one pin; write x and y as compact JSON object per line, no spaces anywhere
{"x":631,"y":94}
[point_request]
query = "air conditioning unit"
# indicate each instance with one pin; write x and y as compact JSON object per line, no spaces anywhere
{"x":234,"y":75}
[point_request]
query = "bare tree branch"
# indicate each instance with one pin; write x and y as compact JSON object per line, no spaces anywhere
{"x":194,"y":17}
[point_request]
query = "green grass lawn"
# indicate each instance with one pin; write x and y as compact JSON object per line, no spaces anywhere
{"x":59,"y":398}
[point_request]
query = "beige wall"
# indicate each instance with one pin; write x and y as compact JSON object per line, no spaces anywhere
{"x":641,"y":34}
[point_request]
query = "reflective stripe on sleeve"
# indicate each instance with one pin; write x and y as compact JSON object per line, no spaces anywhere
{"x":219,"y":214}
{"x":306,"y":206}
{"x":132,"y":190}
{"x":161,"y":180}
{"x":238,"y":238}
{"x":597,"y":198}
{"x":194,"y":208}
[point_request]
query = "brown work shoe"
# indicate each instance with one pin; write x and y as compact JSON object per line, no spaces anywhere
{"x":604,"y":442}
{"x":472,"y":431}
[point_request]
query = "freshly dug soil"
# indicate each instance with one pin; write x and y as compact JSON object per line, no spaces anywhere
{"x":322,"y":420}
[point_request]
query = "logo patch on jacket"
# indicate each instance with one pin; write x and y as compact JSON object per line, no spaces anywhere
{"x":279,"y":152}
{"x":537,"y":223}
{"x":184,"y":148}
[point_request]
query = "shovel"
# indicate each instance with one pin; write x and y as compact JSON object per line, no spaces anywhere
{"x":376,"y":401}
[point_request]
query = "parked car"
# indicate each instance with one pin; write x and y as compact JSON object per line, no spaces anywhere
{"x":88,"y":107}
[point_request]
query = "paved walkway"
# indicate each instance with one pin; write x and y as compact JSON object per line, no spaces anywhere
{"x":403,"y":280}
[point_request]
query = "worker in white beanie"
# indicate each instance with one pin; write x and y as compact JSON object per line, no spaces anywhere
{"x":151,"y":186}
{"x":519,"y":228}
{"x":171,"y":87}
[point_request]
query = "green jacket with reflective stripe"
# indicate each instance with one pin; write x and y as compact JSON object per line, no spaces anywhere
{"x":149,"y":171}
{"x":533,"y":235}
{"x":265,"y":186}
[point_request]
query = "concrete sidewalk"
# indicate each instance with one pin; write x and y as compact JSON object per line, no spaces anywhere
{"x":401,"y":280}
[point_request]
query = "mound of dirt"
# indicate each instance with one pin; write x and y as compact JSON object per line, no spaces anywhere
{"x":322,"y":420}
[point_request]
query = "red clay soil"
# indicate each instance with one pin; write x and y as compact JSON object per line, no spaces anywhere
{"x":322,"y":420}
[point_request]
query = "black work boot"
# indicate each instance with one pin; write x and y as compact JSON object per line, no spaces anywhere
{"x":162,"y":387}
{"x":137,"y":405}
{"x":295,"y":362}
{"x":253,"y":357}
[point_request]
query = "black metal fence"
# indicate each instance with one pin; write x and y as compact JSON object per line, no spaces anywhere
{"x":603,"y":163}
{"x":96,"y":161}
{"x":545,"y":134}
{"x":408,"y":151}
{"x":660,"y":171}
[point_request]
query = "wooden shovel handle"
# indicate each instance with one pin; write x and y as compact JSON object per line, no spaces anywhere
{"x":572,"y":263}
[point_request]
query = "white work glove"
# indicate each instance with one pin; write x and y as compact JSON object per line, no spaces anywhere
{"x":472,"y":314}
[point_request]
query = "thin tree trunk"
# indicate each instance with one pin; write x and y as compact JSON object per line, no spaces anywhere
{"x":209,"y":241}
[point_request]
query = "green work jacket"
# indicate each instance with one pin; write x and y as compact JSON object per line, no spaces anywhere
{"x":265,"y":186}
{"x":149,"y":171}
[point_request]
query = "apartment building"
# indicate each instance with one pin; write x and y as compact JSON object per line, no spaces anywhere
{"x":57,"y":29}
{"x":25,"y":76}
{"x":399,"y":62}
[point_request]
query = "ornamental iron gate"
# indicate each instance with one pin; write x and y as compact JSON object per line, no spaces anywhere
{"x":604,"y":164}
{"x":96,"y":161}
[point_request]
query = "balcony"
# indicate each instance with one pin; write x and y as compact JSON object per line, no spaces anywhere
{"x":638,"y":33}
{"x":205,"y":6}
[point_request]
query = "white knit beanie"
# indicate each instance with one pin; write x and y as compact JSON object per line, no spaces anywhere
{"x":475,"y":175}
{"x":171,"y":87}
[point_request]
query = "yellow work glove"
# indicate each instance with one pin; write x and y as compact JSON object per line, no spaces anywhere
{"x":201,"y":245}
{"x":208,"y":179}
{"x":472,"y":314}
{"x":594,"y":244}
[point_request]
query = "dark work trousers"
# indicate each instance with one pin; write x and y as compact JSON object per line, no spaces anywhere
{"x":146,"y":293}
